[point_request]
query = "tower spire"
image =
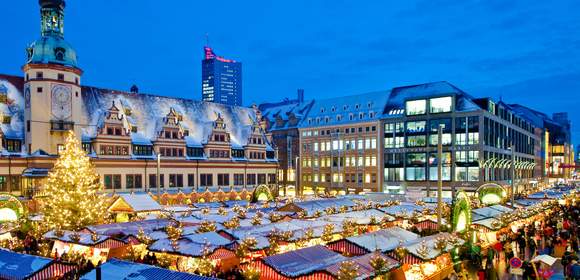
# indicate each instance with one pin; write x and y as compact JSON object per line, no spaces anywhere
{"x":52,"y":17}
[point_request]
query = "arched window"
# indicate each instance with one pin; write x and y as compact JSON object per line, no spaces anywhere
{"x":59,"y":53}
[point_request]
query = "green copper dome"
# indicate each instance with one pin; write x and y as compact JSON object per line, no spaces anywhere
{"x":52,"y":49}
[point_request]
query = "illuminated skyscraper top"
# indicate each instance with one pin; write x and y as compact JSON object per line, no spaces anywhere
{"x":221,"y":79}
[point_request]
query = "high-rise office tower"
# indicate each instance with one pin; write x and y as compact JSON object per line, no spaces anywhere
{"x":221,"y":79}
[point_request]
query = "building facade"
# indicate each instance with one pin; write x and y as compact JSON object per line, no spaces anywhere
{"x":130,"y":137}
{"x":221,"y":79}
{"x":282,"y":121}
{"x":341,"y":145}
{"x":478,"y":136}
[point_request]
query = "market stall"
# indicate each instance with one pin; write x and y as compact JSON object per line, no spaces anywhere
{"x":118,"y":269}
{"x":92,"y":247}
{"x":20,"y":266}
{"x":384,"y":240}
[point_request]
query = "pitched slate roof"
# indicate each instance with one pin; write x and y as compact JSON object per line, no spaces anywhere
{"x":115,"y":269}
{"x":303,"y":261}
{"x":365,"y":107}
{"x":14,"y":108}
{"x":285,"y":115}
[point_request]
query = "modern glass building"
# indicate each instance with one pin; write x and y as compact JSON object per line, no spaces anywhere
{"x":221,"y":79}
{"x":477,"y":137}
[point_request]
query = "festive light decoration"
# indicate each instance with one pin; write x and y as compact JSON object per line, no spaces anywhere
{"x":327,"y":232}
{"x":222,"y":211}
{"x":440,"y":243}
{"x":348,"y":270}
{"x":233,"y":223}
{"x":73,"y":199}
{"x":274,"y":217}
{"x":423,"y":249}
{"x":380,"y":265}
{"x":143,"y":237}
{"x":206,"y":226}
{"x":348,"y":228}
{"x":256,"y":220}
{"x":247,"y":245}
{"x":251,"y":273}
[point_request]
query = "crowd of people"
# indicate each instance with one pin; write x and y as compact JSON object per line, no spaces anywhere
{"x":555,"y":235}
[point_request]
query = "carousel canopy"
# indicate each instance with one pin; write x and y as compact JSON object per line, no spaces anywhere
{"x":117,"y":270}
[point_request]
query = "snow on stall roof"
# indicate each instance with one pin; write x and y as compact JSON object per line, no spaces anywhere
{"x":115,"y":269}
{"x":141,"y":202}
{"x":20,"y":266}
{"x":129,"y":228}
{"x":404,"y":209}
{"x":321,"y":204}
{"x":192,"y":245}
{"x":384,"y":240}
{"x":365,"y":269}
{"x":430,"y":241}
{"x":85,"y":238}
{"x":303,"y":261}
{"x":148,"y":111}
{"x":360,"y":217}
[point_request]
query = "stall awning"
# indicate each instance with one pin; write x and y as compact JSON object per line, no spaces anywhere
{"x":35,"y":172}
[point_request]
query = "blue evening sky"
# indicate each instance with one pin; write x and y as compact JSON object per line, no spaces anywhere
{"x":525,"y":51}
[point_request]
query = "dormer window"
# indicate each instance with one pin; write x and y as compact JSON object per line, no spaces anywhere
{"x":186,"y":132}
{"x":333,"y":109}
{"x":321,"y":110}
{"x":6,"y":119}
{"x":339,"y":118}
{"x":356,"y":106}
{"x":59,"y":54}
{"x":134,"y":129}
{"x":345,"y":107}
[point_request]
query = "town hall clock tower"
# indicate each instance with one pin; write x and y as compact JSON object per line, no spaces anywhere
{"x":52,"y":88}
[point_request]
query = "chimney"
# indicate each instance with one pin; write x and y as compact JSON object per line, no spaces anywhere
{"x":300,"y":95}
{"x":134,"y":89}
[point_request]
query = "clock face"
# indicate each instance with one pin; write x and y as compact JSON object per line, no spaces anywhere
{"x":61,"y":101}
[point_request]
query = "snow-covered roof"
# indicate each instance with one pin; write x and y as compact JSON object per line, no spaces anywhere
{"x":303,"y":261}
{"x":312,"y":206}
{"x":148,"y":112}
{"x":384,"y":240}
{"x":20,"y":266}
{"x":396,"y":101}
{"x":429,"y":241}
{"x":341,"y":110}
{"x":115,"y":269}
{"x":192,"y":245}
{"x":491,"y":211}
{"x":84,"y":238}
{"x":404,"y":209}
{"x":140,"y":202}
{"x":285,"y":115}
{"x":129,"y":228}
{"x":360,"y":217}
{"x":365,"y":269}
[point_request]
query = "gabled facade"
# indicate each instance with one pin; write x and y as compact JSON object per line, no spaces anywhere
{"x":127,"y":134}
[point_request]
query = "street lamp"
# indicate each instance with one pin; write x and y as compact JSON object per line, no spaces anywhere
{"x":297,"y":175}
{"x":513,"y":173}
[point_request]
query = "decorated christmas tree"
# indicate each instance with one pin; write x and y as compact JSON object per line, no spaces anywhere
{"x":73,"y":199}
